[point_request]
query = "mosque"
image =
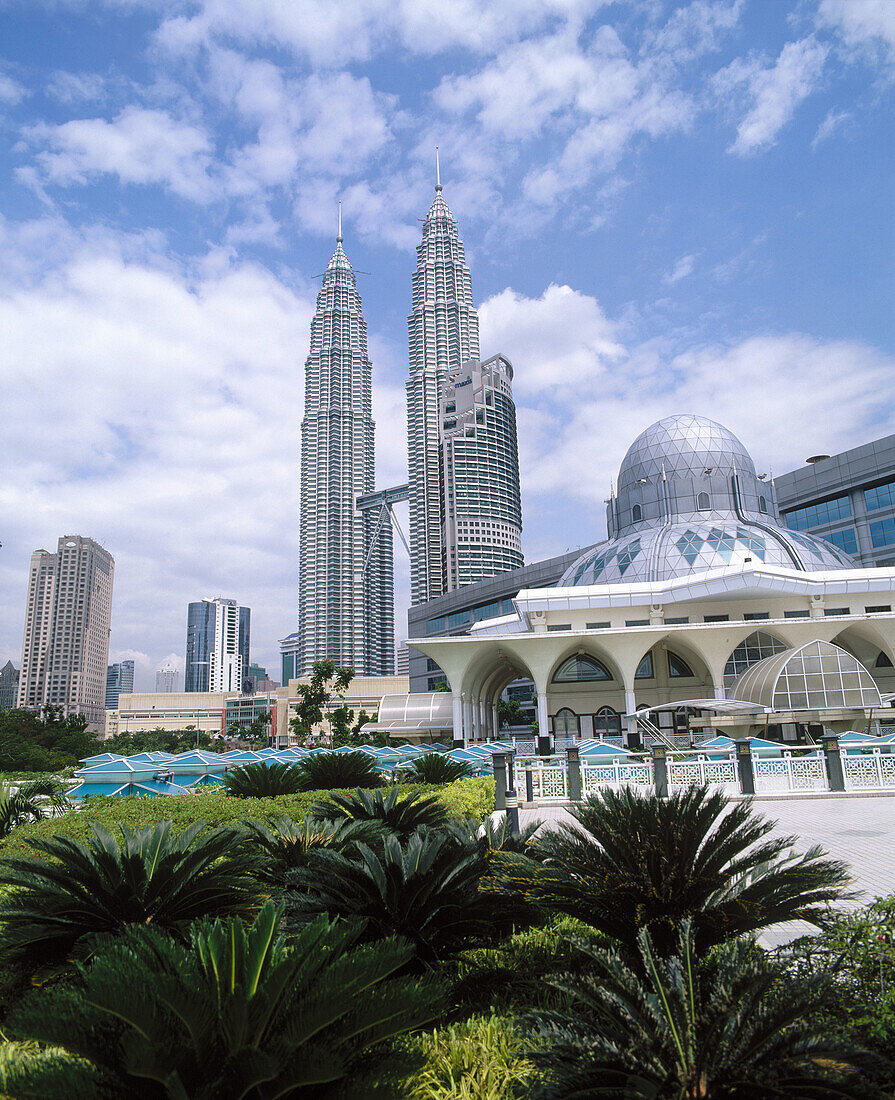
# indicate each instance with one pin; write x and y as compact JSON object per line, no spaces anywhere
{"x":702,"y":612}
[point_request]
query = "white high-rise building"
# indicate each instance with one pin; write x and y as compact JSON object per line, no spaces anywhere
{"x":346,"y":599}
{"x":482,"y":507}
{"x":167,"y":679}
{"x":218,"y":642}
{"x":225,"y":664}
{"x":443,"y":329}
{"x":68,"y":616}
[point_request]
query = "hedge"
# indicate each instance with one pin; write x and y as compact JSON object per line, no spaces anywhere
{"x":465,"y":798}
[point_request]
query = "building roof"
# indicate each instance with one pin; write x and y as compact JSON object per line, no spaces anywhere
{"x":815,"y":676}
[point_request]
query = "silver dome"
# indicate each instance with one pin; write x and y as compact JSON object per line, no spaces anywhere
{"x":689,"y":500}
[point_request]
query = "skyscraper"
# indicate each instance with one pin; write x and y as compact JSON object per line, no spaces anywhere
{"x":481,"y":520}
{"x":9,"y":686}
{"x":119,"y":681}
{"x":167,"y":679}
{"x":346,"y":600}
{"x":443,"y":329}
{"x":68,"y":614}
{"x":217,"y":645}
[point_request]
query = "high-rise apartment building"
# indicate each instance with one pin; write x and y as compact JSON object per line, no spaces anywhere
{"x":167,"y":680}
{"x":119,"y":681}
{"x":9,"y":686}
{"x":217,"y":645}
{"x":65,"y":647}
{"x":346,"y":599}
{"x":481,"y":516}
{"x":443,"y":328}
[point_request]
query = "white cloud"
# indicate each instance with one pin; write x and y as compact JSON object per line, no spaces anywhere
{"x":11,"y":91}
{"x":832,"y":122}
{"x":774,"y":91}
{"x":77,"y":87}
{"x":695,"y":30}
{"x":865,"y":26}
{"x":139,"y":146}
{"x":681,"y":269}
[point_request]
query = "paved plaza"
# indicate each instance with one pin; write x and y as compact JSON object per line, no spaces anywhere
{"x":857,"y":829}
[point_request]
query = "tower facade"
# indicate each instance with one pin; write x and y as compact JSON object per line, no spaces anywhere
{"x":68,"y":616}
{"x":443,"y":329}
{"x":218,"y":639}
{"x":119,"y":681}
{"x":481,"y":518}
{"x":346,"y":599}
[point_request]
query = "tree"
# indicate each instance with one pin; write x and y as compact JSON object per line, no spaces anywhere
{"x":81,"y":889}
{"x":632,"y":861}
{"x":510,"y":713}
{"x":233,"y":1014}
{"x":724,"y":1028}
{"x":30,"y":802}
{"x":46,"y":742}
{"x":340,"y":725}
{"x":326,"y":682}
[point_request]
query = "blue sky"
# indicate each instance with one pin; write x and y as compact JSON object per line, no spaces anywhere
{"x":666,"y":207}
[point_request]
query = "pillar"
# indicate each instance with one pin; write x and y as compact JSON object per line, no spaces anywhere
{"x":544,"y":746}
{"x":660,"y":771}
{"x":744,"y":766}
{"x":468,"y":730}
{"x":835,"y":774}
{"x":632,"y":737}
{"x":495,"y":723}
{"x":573,"y":764}
{"x":457,"y":720}
{"x":500,"y":780}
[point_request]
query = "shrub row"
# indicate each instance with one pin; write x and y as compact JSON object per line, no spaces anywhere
{"x":466,"y":798}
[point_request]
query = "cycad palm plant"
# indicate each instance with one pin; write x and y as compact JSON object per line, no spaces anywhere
{"x":81,"y":888}
{"x":262,"y":780}
{"x":333,"y":771}
{"x":283,"y":844}
{"x":234,"y":1014}
{"x":631,"y":861}
{"x":427,"y":890}
{"x":402,"y":812}
{"x":435,"y":768}
{"x":29,"y":802}
{"x":726,"y":1028}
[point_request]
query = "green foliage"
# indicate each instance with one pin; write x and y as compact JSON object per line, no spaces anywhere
{"x":635,"y":861}
{"x":726,"y":1027}
{"x":283,"y":844}
{"x":510,"y":713}
{"x":402,"y":812}
{"x":31,"y":801}
{"x":337,"y":770}
{"x":262,"y":780}
{"x":44,"y":743}
{"x":340,"y":724}
{"x":326,"y":682}
{"x":434,"y":767}
{"x":79,"y":890}
{"x":235,"y":1013}
{"x":426,"y":889}
{"x":468,"y":798}
{"x":162,"y":740}
{"x":479,"y":1059}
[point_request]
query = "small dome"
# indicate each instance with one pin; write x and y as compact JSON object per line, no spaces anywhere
{"x":683,"y":446}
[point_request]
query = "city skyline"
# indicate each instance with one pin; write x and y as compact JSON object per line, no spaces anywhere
{"x":667,"y":208}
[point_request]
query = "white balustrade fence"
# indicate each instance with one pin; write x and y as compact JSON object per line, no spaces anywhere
{"x":790,"y":773}
{"x":595,"y":776}
{"x":690,"y":771}
{"x":874,"y":771}
{"x":549,"y":782}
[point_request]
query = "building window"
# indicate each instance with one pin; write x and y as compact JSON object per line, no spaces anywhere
{"x":679,"y":620}
{"x":795,"y":614}
{"x":816,"y":515}
{"x":581,"y":667}
{"x":880,"y":496}
{"x":750,"y":651}
{"x":435,"y":626}
{"x":883,"y":660}
{"x":762,"y":505}
{"x":716,"y":619}
{"x":883,"y":533}
{"x":565,"y":723}
{"x":636,"y":513}
{"x":645,"y":668}
{"x":559,"y":626}
{"x":757,"y":615}
{"x":878,"y":609}
{"x":598,"y":626}
{"x":837,"y":611}
{"x":846,"y":539}
{"x":678,"y":667}
{"x":703,"y":502}
{"x":636,"y":622}
{"x":607,"y":723}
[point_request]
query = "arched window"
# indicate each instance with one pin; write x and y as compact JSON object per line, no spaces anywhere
{"x":762,"y":505}
{"x":565,"y":723}
{"x":645,"y":668}
{"x":636,"y":514}
{"x":607,"y":723}
{"x":753,"y":649}
{"x":883,"y":660}
{"x":580,"y":667}
{"x":677,"y":666}
{"x":703,"y":502}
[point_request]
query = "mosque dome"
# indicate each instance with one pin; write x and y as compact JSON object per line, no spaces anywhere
{"x":689,"y":500}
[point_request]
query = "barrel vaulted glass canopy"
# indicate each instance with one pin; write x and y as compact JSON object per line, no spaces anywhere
{"x":689,"y":500}
{"x":816,"y":676}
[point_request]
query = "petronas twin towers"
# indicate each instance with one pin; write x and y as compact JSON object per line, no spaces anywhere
{"x":346,"y":602}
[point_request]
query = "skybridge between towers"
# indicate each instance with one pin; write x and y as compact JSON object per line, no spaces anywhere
{"x":383,"y":500}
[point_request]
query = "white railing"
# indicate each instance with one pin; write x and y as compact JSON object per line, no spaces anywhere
{"x":548,"y":782}
{"x":696,"y":771}
{"x":790,"y":773}
{"x":870,"y":771}
{"x":617,"y":774}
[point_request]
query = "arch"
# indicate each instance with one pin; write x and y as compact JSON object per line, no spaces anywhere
{"x":645,"y":670}
{"x":817,"y":676}
{"x":678,"y":668}
{"x":607,"y":723}
{"x":752,"y":649}
{"x":703,"y":502}
{"x":587,"y":647}
{"x":581,"y":668}
{"x":867,"y":642}
{"x":566,"y":723}
{"x":636,"y":514}
{"x":763,"y":505}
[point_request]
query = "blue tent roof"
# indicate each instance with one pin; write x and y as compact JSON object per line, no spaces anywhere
{"x":91,"y":790}
{"x":102,"y":758}
{"x":722,"y":741}
{"x":119,"y":766}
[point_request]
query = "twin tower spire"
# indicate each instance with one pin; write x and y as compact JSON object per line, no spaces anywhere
{"x":346,"y":605}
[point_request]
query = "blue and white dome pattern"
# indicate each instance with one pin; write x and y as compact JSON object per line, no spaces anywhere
{"x":689,"y":500}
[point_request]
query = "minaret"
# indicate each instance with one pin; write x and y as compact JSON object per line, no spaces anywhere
{"x":444,"y":333}
{"x":346,"y":601}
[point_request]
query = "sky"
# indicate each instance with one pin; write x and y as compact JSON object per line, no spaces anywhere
{"x":666,"y":208}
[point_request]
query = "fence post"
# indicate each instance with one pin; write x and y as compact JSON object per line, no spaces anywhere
{"x":512,"y":801}
{"x":660,"y":770}
{"x":835,"y":774}
{"x":543,"y":744}
{"x":573,"y":764}
{"x":744,"y":765}
{"x":500,"y":780}
{"x":529,"y":785}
